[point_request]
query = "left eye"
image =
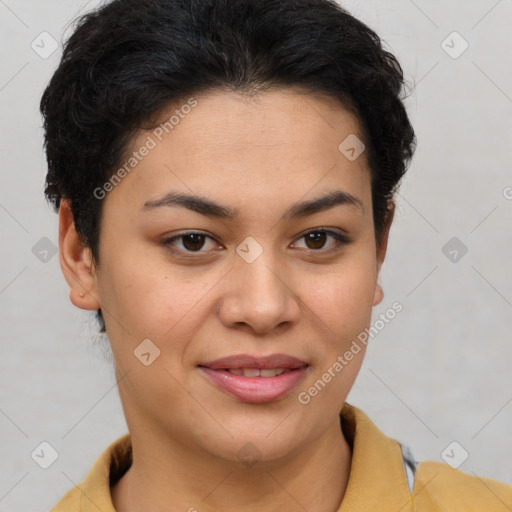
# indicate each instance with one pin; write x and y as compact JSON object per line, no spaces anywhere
{"x":315,"y":240}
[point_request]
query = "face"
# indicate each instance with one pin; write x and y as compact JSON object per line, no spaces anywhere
{"x":255,"y":273}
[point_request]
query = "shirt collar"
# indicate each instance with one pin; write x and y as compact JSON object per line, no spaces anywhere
{"x":108,"y":468}
{"x":377,"y":479}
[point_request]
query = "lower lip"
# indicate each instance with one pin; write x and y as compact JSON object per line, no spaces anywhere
{"x":255,"y":389}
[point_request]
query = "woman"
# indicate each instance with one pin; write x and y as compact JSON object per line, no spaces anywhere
{"x":224,"y":173}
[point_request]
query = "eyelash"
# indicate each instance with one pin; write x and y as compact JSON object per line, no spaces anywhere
{"x":339,"y":239}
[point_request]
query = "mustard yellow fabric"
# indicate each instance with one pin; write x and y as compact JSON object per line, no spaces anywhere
{"x":377,"y":482}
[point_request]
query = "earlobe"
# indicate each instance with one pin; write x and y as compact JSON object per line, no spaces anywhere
{"x":378,"y":295}
{"x":76,"y":262}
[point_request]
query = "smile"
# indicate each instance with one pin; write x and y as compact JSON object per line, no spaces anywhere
{"x":257,"y":372}
{"x":255,"y":379}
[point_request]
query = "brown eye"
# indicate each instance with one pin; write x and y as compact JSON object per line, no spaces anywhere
{"x":193,"y":241}
{"x":190,"y":242}
{"x":316,"y":239}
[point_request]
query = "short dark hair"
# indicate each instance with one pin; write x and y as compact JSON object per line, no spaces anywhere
{"x":129,"y":59}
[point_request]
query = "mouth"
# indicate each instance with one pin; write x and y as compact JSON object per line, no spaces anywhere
{"x":257,"y":372}
{"x":255,"y":379}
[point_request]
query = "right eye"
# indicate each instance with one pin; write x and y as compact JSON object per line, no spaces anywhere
{"x":191,"y":242}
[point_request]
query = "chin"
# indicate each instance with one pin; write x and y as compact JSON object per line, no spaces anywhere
{"x":260,"y":447}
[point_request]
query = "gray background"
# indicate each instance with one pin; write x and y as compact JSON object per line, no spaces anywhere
{"x":439,"y":372}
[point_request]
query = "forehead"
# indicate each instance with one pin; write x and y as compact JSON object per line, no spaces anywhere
{"x":272,"y":145}
{"x":278,"y":117}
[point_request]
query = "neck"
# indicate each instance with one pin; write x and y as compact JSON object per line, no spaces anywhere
{"x":314,"y":480}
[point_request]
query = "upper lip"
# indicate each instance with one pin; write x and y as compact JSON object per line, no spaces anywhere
{"x":248,"y":361}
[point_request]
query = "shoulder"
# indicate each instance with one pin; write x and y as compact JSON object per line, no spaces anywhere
{"x":95,"y":488}
{"x":438,"y":484}
{"x":70,"y":502}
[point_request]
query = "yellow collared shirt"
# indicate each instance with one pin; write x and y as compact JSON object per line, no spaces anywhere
{"x":378,"y":480}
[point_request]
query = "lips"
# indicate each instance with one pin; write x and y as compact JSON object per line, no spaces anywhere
{"x":255,"y":379}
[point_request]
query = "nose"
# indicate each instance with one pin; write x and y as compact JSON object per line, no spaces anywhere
{"x":259,"y":296}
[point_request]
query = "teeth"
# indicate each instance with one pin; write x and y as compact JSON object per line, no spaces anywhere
{"x":256,"y":372}
{"x":251,"y":372}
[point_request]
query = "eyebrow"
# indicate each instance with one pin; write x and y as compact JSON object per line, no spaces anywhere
{"x":209,"y":208}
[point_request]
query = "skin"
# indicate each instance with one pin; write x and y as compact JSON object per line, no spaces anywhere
{"x":310,"y":300}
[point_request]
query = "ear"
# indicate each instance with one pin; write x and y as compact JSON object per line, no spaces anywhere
{"x":76,"y":262}
{"x":381,"y":252}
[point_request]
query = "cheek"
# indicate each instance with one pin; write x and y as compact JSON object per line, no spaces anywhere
{"x":134,"y":294}
{"x":152,"y":299}
{"x":343,"y":298}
